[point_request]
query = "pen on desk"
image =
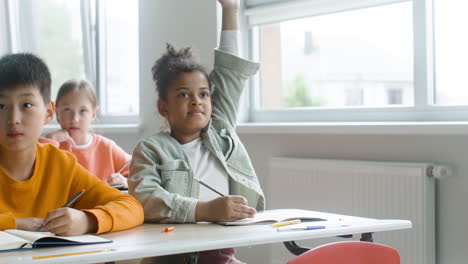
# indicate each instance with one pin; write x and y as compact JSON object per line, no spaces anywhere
{"x":70,"y":202}
{"x":299,"y":228}
{"x":285,"y":223}
{"x":67,"y":254}
{"x":124,"y":166}
{"x":207,"y":186}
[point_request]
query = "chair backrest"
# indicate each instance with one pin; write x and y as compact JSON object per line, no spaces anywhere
{"x":349,"y":252}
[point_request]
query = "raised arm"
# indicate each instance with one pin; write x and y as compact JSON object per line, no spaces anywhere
{"x":230,"y":14}
{"x":230,"y":71}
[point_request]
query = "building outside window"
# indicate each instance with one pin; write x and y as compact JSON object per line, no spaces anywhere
{"x":357,"y":60}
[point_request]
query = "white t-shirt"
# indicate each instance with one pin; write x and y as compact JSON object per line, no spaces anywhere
{"x":208,"y":169}
{"x":90,"y":141}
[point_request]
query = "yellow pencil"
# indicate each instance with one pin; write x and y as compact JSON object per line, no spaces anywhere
{"x":286,"y":223}
{"x":67,"y":254}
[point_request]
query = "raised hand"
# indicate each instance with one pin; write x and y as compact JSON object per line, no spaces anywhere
{"x":223,"y":209}
{"x":230,"y":4}
{"x":69,"y":222}
{"x":230,"y":14}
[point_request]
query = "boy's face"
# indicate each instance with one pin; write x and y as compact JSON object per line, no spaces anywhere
{"x":75,"y":112}
{"x":22,"y":117}
{"x":188,"y":105}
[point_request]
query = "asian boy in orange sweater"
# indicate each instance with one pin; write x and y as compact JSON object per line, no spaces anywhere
{"x":36,"y":180}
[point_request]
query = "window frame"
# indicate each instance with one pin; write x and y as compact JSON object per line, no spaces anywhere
{"x":93,"y":50}
{"x":4,"y":28}
{"x":424,"y":108}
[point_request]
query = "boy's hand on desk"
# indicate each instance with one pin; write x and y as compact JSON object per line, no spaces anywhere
{"x":224,"y":209}
{"x":70,"y":222}
{"x":29,"y":223}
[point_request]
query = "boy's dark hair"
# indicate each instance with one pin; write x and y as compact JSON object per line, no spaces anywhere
{"x":172,"y":63}
{"x":25,"y":69}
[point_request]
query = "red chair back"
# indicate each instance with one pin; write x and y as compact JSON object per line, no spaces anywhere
{"x":350,"y":252}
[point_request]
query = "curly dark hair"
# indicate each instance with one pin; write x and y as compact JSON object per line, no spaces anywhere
{"x":25,"y":69}
{"x":171,"y":64}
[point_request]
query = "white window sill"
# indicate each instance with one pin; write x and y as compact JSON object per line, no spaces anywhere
{"x":102,"y":128}
{"x":364,"y":128}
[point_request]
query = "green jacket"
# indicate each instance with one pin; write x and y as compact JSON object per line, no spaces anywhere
{"x":161,"y":173}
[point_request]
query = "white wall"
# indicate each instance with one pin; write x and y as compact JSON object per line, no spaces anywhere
{"x":193,"y":22}
{"x":451,"y":193}
{"x":182,"y":23}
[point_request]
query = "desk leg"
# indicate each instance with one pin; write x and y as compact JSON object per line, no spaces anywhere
{"x":367,"y":237}
{"x":295,"y":248}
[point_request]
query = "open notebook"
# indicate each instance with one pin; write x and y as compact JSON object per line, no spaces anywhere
{"x":278,"y":215}
{"x":13,"y":239}
{"x":120,"y":187}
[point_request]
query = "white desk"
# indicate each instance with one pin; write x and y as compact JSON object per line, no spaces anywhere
{"x":147,"y":240}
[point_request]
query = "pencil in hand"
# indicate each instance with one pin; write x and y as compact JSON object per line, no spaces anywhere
{"x":207,"y":186}
{"x":70,"y":202}
{"x":124,"y":166}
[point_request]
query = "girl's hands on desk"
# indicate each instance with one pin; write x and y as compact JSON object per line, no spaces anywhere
{"x":224,"y":209}
{"x":117,"y":179}
{"x":29,"y":223}
{"x":70,"y":222}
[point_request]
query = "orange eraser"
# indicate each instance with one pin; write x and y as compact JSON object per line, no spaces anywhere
{"x":168,"y":229}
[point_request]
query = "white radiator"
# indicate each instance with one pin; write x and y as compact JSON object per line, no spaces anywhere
{"x":384,"y":190}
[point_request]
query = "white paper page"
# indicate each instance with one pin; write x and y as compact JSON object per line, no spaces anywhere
{"x":279,"y":215}
{"x":8,"y":241}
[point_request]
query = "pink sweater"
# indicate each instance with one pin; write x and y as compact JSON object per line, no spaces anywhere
{"x":102,"y":158}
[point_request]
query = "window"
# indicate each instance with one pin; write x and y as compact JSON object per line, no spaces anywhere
{"x":119,"y":50}
{"x":451,"y":53}
{"x":337,"y":60}
{"x":84,"y":39}
{"x":3,"y":28}
{"x":358,"y":60}
{"x":52,"y":30}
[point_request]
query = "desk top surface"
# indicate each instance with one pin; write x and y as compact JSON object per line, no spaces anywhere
{"x":147,"y":240}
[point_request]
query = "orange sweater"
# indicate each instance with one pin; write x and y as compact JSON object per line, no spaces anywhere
{"x":102,"y":158}
{"x":57,"y":177}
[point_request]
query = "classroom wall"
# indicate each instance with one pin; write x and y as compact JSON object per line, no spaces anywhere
{"x":193,"y":22}
{"x":451,"y":197}
{"x":182,"y":23}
